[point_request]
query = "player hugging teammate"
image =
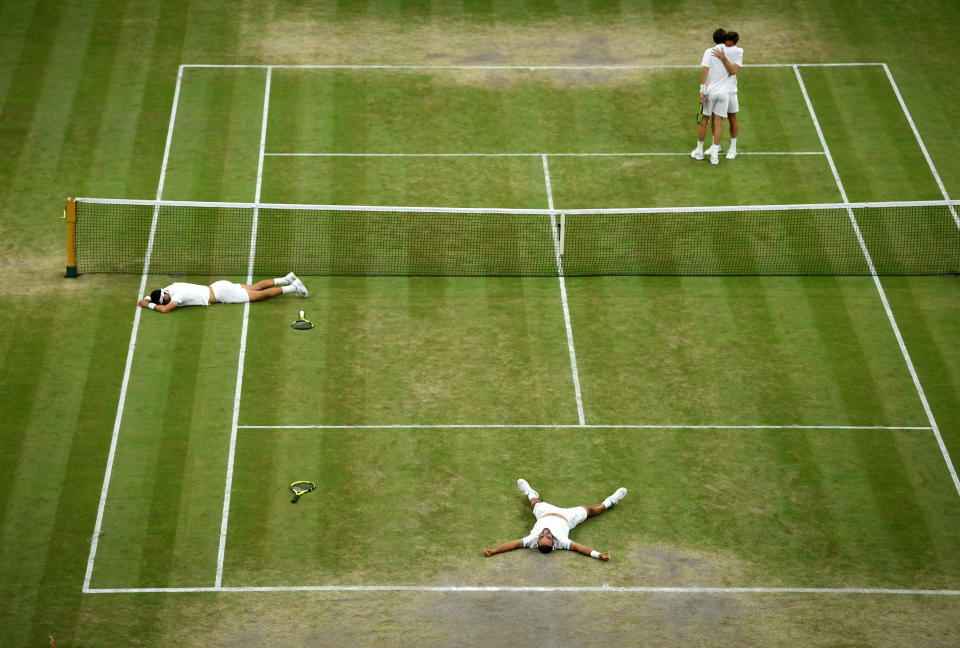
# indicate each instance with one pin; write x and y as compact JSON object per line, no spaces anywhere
{"x":718,"y":94}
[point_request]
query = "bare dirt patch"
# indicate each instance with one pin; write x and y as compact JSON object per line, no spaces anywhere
{"x":299,"y":38}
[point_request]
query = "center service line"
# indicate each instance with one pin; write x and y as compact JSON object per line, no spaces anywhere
{"x":563,"y":291}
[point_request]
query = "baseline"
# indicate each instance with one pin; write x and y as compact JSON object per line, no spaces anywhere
{"x":530,"y":588}
{"x":511,"y":67}
{"x":528,"y":154}
{"x":418,"y":426}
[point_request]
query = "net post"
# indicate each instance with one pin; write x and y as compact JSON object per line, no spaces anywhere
{"x":70,"y":215}
{"x":563,"y":228}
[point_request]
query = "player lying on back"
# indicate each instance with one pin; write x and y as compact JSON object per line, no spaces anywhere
{"x":552,"y":530}
{"x":164,"y":300}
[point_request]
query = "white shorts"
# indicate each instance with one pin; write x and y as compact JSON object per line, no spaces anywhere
{"x":716,"y":104}
{"x":228,"y":292}
{"x":574,"y":515}
{"x":733,"y":105}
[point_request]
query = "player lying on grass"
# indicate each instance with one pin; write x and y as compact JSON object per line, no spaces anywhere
{"x":554,"y":525}
{"x":164,"y":300}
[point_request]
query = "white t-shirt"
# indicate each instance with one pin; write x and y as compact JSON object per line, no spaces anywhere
{"x":558,"y":527}
{"x":188,"y":294}
{"x":719,"y":81}
{"x":735,"y":56}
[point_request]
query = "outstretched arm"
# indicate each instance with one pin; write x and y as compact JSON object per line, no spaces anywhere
{"x":506,"y":546}
{"x":587,"y":551}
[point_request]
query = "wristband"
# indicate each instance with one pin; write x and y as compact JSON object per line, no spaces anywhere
{"x":151,"y":305}
{"x":703,"y":88}
{"x":594,"y":554}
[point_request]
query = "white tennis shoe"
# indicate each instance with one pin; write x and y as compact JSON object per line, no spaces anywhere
{"x":526,"y":490}
{"x":618,"y":495}
{"x":732,"y":153}
{"x":714,"y":155}
{"x":300,"y":288}
{"x":290,"y":278}
{"x":696,"y":154}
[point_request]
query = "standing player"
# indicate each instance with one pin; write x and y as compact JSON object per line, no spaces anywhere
{"x":714,"y":97}
{"x":732,"y":58}
{"x":552,"y":530}
{"x":164,"y":300}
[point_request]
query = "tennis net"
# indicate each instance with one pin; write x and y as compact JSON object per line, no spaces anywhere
{"x":229,"y":239}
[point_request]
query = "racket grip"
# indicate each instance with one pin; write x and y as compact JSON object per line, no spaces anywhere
{"x":294,"y":500}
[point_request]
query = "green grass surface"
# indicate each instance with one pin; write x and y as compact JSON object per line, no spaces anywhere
{"x":85,"y":98}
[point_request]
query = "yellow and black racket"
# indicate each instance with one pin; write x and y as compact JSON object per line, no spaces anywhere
{"x":302,"y":323}
{"x":299,"y":488}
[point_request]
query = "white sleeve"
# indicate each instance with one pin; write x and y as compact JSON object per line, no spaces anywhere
{"x":529,"y":542}
{"x":738,"y":57}
{"x":562,"y":544}
{"x":707,"y":55}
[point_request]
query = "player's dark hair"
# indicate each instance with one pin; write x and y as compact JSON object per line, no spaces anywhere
{"x":545,"y":549}
{"x":733,"y":36}
{"x":156,"y":295}
{"x":719,"y":36}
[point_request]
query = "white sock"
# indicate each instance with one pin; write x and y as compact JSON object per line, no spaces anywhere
{"x":288,"y":289}
{"x":733,"y":142}
{"x":281,"y":281}
{"x":700,"y":147}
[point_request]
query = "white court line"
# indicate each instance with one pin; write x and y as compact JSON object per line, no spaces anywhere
{"x":515,"y":67}
{"x":443,"y":155}
{"x":243,"y":341}
{"x":419,"y":426}
{"x":923,"y":148}
{"x":880,"y":291}
{"x":133,"y":343}
{"x":563,"y":293}
{"x":466,"y":589}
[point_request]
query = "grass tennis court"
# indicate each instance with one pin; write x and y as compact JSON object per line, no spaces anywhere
{"x":787,"y":482}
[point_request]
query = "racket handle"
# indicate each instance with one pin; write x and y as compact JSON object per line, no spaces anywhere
{"x":301,"y":314}
{"x":294,"y":500}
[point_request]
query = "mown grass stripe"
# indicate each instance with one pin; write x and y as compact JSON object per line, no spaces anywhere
{"x":72,"y":466}
{"x":27,"y":84}
{"x":166,"y":486}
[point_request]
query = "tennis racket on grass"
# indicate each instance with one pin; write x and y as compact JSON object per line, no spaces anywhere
{"x":299,"y":488}
{"x":302,"y":324}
